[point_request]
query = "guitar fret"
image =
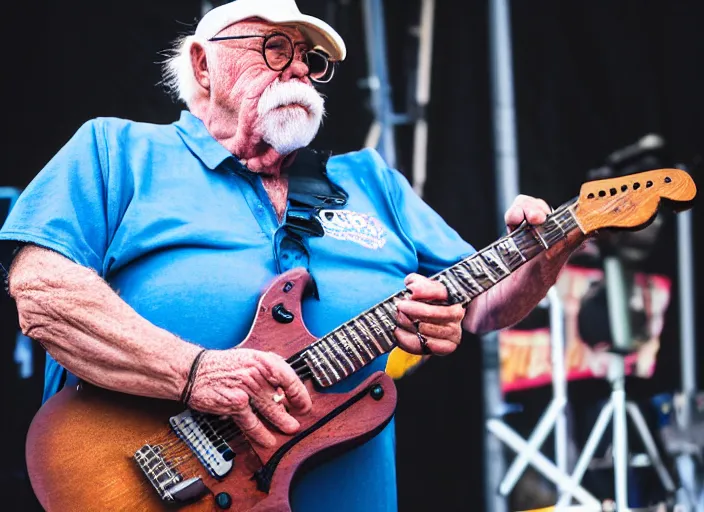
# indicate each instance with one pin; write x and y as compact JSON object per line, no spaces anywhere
{"x":527,"y":243}
{"x":390,"y":310}
{"x":326,"y":361}
{"x":556,"y":221}
{"x":470,"y":286}
{"x":455,"y":289}
{"x":562,"y":229}
{"x":494,"y":263}
{"x":565,"y":219}
{"x":379,"y":332}
{"x":476,"y":267}
{"x":549,"y":232}
{"x":509,"y":253}
{"x":384,"y":319}
{"x":539,"y":236}
{"x":318,"y":370}
{"x":368,"y":333}
{"x":357,"y":341}
{"x":332,"y":356}
{"x":387,"y":326}
{"x":340,"y":345}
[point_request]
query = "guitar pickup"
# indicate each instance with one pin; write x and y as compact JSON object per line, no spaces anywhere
{"x":211,"y":449}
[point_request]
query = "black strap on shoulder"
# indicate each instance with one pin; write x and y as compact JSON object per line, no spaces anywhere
{"x":310,"y":190}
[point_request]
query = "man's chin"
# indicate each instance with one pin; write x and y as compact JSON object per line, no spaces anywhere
{"x":286,"y":138}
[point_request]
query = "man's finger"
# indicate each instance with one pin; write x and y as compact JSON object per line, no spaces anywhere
{"x":276,"y":413}
{"x":535,"y":216}
{"x":525,"y":201}
{"x":526,"y":208}
{"x":253,"y":428}
{"x":430,"y":312}
{"x":422,"y":288}
{"x":514,"y":216}
{"x":296,"y":392}
{"x":411,"y":344}
{"x":450,"y":331}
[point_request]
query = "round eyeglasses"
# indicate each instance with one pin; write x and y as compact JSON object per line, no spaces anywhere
{"x":279,"y":50}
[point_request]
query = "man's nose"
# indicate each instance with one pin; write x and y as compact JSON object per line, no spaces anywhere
{"x":296,"y":70}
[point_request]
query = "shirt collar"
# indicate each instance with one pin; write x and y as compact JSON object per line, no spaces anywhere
{"x":198,"y":139}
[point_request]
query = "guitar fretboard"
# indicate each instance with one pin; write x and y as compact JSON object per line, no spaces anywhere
{"x":359,"y":341}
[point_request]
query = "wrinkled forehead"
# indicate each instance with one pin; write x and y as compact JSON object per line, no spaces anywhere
{"x":254,"y":26}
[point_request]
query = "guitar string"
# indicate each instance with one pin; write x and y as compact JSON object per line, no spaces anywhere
{"x":232,"y":436}
{"x":299,"y":364}
{"x":231,"y":433}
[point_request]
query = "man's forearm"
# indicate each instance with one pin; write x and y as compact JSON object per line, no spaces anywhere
{"x":512,"y":299}
{"x":91,"y":331}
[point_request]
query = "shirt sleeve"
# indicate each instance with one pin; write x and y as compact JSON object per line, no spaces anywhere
{"x":438,"y":246}
{"x":63,"y":208}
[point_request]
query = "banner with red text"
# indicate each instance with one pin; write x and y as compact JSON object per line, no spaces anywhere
{"x":525,"y":354}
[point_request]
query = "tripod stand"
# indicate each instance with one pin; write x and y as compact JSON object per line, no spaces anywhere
{"x":617,"y":408}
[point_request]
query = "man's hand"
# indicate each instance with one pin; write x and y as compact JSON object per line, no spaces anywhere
{"x":440,"y":325}
{"x":526,"y":208}
{"x":231,"y":382}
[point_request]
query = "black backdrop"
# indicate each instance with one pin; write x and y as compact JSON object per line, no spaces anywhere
{"x":588,"y":80}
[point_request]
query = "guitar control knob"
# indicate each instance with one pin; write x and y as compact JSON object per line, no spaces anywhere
{"x":223,"y":500}
{"x":281,"y":314}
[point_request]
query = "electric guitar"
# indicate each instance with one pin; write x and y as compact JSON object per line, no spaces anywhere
{"x":93,"y":449}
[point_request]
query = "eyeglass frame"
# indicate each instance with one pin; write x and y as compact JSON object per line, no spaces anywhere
{"x":331,"y":64}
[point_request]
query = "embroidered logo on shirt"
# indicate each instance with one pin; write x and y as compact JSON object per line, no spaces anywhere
{"x":355,"y":227}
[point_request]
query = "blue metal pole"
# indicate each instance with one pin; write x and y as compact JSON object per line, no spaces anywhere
{"x":686,"y":288}
{"x":505,"y":145}
{"x":506,"y":165}
{"x":378,"y":80}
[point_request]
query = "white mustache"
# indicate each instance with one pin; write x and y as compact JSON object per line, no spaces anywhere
{"x":279,"y":94}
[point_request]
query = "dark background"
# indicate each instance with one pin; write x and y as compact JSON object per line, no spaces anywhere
{"x":590,"y":78}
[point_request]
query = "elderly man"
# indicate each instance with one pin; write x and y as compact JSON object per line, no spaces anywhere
{"x":141,"y":245}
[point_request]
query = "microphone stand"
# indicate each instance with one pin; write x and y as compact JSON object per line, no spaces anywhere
{"x":619,"y":320}
{"x":617,"y":407}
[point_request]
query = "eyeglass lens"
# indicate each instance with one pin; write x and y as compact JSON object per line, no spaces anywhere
{"x":278,"y":52}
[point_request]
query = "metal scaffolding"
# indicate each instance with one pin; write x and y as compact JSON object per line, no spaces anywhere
{"x":381,"y":135}
{"x":507,"y":186}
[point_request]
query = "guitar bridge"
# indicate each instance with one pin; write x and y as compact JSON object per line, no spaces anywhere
{"x":168,"y":482}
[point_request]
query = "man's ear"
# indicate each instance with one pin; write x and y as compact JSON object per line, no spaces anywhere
{"x":199,"y":62}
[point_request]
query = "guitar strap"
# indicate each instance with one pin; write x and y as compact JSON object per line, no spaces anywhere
{"x":310,"y":190}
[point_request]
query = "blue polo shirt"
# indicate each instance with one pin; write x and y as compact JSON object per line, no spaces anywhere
{"x":184,"y":234}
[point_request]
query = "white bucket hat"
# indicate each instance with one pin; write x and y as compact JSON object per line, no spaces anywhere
{"x":283,"y":12}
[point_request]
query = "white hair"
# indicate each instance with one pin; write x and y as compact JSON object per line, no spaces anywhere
{"x":285,"y":130}
{"x":177,"y":70}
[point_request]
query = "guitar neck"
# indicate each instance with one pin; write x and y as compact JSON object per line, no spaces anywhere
{"x":359,"y":341}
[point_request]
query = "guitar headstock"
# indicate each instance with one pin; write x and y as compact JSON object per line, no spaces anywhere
{"x":631,"y":201}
